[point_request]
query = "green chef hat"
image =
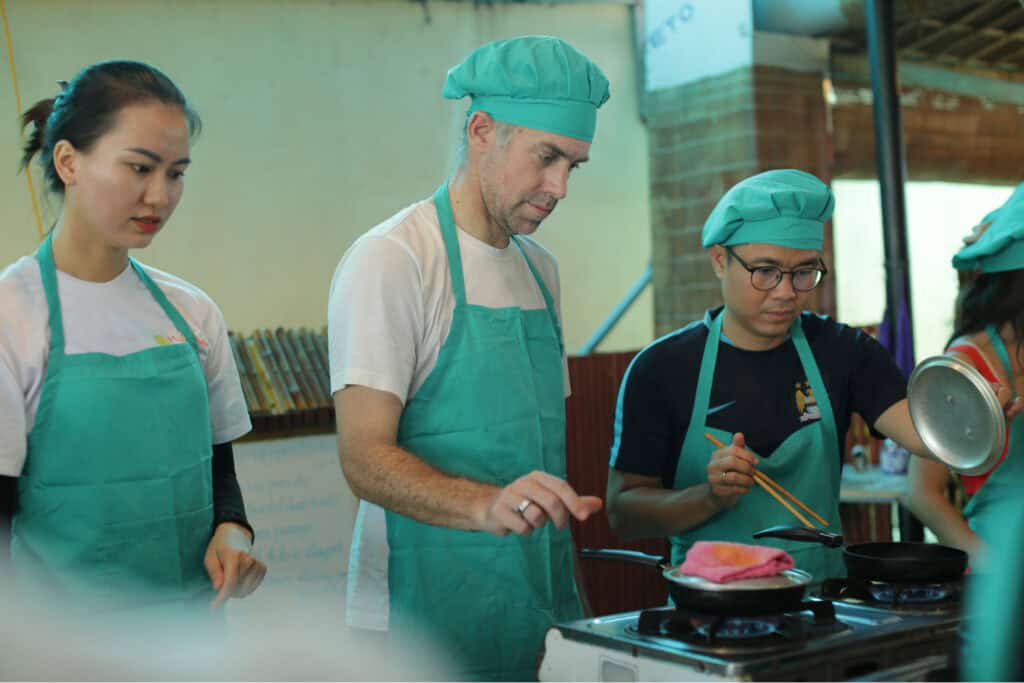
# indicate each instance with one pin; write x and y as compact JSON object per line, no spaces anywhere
{"x":784,"y":207}
{"x":1001,"y":246}
{"x":533,"y":81}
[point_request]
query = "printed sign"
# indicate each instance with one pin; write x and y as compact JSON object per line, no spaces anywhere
{"x":686,"y":40}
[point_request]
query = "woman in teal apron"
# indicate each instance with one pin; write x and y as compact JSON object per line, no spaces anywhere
{"x":995,"y":595}
{"x":989,"y":329}
{"x":992,"y":304}
{"x":123,"y":503}
{"x":1006,"y":482}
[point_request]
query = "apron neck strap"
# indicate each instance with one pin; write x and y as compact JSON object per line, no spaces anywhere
{"x":1004,"y":356}
{"x":549,"y":301}
{"x":706,"y":379}
{"x":172,"y":312}
{"x":48,"y":272}
{"x":451,"y":242}
{"x":449,"y":233}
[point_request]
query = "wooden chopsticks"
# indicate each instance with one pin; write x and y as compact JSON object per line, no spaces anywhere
{"x":770,"y":486}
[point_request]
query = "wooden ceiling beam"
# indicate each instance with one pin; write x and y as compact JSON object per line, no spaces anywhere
{"x":961,"y":25}
{"x":981,"y":53}
{"x":908,"y":10}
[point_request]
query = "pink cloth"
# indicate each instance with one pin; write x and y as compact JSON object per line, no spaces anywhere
{"x":724,"y":562}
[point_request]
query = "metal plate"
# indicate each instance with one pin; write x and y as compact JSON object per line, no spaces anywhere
{"x":957,"y":414}
{"x":788,"y":578}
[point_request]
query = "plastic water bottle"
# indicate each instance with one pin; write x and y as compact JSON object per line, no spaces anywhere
{"x":860,"y":457}
{"x":893,"y":458}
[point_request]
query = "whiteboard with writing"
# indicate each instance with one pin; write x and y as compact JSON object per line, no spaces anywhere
{"x":303,"y":512}
{"x":686,"y":40}
{"x":293,"y":626}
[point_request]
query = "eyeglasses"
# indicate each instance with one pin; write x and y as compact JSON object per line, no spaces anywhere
{"x":767,"y":278}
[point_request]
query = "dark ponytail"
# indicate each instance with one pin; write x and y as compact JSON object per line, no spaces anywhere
{"x":87,"y":108}
{"x":991,"y":299}
{"x":36,"y":117}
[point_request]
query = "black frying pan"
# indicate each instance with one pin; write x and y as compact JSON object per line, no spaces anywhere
{"x":894,"y":562}
{"x":747,"y":597}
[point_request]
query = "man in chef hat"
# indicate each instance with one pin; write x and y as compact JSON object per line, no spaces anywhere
{"x":449,"y":375}
{"x":774,"y":382}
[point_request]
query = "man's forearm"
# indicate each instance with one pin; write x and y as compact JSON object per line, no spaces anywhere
{"x":402,"y":482}
{"x":656,"y":513}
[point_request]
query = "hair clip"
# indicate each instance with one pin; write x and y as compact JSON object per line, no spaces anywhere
{"x":63,"y":85}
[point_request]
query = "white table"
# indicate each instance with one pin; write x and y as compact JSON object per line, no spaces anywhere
{"x":871,"y":485}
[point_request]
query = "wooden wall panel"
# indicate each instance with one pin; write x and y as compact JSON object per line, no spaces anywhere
{"x":612,"y":587}
{"x":947,"y":136}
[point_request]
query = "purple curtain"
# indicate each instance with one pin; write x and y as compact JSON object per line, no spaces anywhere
{"x":901,"y":344}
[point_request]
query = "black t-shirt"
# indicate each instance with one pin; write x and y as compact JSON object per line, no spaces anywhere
{"x":763,"y":394}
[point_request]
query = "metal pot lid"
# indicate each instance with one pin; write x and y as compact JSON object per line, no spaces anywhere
{"x":957,"y":414}
{"x":788,"y":578}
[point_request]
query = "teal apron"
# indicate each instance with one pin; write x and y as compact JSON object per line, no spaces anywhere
{"x":806,"y":463}
{"x":493,"y":410}
{"x":984,"y":510}
{"x":995,"y":596}
{"x":115,"y":501}
{"x":994,"y":605}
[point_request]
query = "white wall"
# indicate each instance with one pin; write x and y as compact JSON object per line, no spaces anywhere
{"x":939,"y":215}
{"x":324,"y":117}
{"x":695,"y":39}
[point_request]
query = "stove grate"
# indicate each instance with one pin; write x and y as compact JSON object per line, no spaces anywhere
{"x":817,"y":619}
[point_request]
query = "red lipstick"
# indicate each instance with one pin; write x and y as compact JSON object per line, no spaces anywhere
{"x":148,"y":224}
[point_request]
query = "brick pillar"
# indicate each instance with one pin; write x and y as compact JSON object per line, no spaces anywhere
{"x":705,"y":137}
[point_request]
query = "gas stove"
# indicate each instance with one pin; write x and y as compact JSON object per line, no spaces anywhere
{"x":848,"y":638}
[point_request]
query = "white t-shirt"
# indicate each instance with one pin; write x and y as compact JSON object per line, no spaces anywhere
{"x":389,"y":312}
{"x":116,"y":318}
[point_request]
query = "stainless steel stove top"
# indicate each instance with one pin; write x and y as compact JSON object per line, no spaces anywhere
{"x":860,"y":642}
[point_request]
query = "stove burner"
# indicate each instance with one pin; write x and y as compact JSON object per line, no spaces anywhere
{"x":910,"y":595}
{"x":895,"y":595}
{"x":746,"y":634}
{"x":736,"y":629}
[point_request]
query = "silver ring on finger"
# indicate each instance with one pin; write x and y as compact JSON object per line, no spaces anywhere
{"x":725,"y":477}
{"x":521,"y":508}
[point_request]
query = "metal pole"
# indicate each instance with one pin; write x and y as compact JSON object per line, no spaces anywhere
{"x":889,"y":159}
{"x":620,"y":310}
{"x":891,"y":176}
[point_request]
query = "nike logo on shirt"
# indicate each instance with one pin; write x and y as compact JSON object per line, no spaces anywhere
{"x":712,"y":411}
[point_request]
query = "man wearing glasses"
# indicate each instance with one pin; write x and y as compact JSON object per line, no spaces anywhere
{"x":774,"y":382}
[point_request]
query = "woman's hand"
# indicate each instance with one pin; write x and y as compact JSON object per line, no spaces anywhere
{"x":1012,"y":405}
{"x":233,"y":571}
{"x":976,"y":232}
